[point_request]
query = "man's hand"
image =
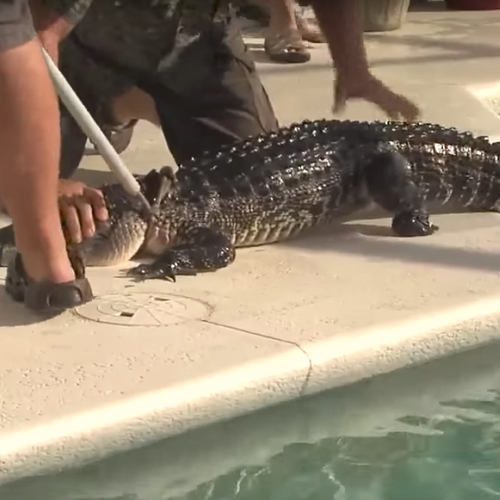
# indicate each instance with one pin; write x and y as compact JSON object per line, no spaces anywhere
{"x":371,"y":89}
{"x":80,"y":206}
{"x":342,"y":24}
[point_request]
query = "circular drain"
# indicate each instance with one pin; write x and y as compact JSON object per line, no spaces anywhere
{"x":143,"y":309}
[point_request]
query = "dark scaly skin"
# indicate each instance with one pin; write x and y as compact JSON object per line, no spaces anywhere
{"x":272,"y":187}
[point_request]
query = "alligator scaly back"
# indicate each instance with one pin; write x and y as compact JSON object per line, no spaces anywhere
{"x":448,"y":165}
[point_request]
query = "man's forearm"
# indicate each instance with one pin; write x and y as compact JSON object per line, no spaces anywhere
{"x":341,"y":23}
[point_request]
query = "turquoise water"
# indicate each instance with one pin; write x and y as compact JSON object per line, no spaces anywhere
{"x":427,"y":433}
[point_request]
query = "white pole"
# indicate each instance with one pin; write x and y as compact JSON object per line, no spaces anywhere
{"x":81,"y":115}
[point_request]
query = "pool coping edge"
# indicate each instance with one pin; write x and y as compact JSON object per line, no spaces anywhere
{"x":137,"y":421}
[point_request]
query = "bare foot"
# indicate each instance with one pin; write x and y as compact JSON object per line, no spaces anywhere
{"x":308,"y":28}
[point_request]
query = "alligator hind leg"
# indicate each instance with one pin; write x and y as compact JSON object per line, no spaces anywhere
{"x":389,"y":184}
{"x":207,"y":250}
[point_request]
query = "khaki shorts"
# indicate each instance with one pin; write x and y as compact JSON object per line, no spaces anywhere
{"x":16,"y":25}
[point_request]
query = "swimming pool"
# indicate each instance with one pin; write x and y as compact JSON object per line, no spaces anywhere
{"x":431,"y":432}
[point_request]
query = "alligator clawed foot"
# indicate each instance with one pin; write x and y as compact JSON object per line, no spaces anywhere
{"x":152,"y":271}
{"x":408,"y":224}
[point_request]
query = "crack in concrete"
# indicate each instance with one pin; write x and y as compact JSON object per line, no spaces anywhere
{"x":271,"y":337}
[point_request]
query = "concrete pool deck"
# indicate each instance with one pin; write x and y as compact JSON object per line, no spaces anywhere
{"x":146,"y":361}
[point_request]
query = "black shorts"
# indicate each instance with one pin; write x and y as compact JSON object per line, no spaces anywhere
{"x":200,"y":108}
{"x":16,"y":25}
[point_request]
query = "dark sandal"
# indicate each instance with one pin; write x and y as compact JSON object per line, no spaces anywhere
{"x":46,"y":297}
{"x":286,"y":48}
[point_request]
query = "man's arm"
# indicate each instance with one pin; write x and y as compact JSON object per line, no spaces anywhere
{"x":342,"y":26}
{"x":341,"y":23}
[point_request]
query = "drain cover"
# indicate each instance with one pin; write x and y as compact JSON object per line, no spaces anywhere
{"x":143,"y":309}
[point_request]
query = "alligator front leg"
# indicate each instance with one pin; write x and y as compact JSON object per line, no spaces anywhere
{"x":389,"y":183}
{"x":207,"y":250}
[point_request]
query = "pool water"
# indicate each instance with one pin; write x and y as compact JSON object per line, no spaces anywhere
{"x":426,"y":433}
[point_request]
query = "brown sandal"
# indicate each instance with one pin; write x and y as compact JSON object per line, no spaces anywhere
{"x":46,"y":297}
{"x":286,"y":48}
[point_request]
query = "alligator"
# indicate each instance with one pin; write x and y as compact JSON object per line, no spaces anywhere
{"x":272,"y":187}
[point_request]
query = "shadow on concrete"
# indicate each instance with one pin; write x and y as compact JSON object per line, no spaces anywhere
{"x":392,"y":248}
{"x":13,"y":314}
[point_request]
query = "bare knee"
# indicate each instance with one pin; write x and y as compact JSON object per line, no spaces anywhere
{"x":134,"y":104}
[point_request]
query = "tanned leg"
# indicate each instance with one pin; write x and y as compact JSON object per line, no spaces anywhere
{"x":30,"y":145}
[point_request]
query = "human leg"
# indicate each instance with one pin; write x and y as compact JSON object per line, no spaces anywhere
{"x":29,"y":141}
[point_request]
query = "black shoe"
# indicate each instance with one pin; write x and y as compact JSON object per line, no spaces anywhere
{"x":45,"y":297}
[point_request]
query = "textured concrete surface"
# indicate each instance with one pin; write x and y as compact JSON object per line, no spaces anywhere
{"x":147,"y":361}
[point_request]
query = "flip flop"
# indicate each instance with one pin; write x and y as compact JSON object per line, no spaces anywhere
{"x":45,"y":297}
{"x":286,"y":48}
